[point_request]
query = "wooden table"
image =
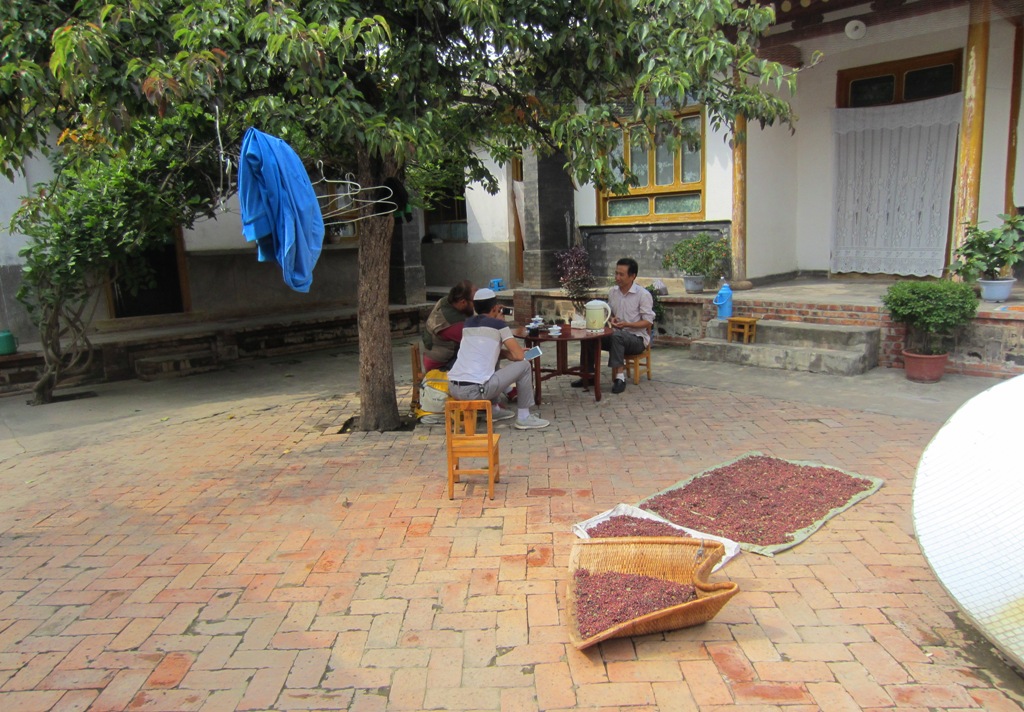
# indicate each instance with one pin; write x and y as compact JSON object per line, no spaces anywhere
{"x":587,"y":339}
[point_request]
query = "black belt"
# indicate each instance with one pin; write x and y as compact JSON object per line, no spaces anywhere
{"x":465,"y":383}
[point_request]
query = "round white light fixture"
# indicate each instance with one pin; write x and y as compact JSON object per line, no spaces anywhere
{"x":855,"y":29}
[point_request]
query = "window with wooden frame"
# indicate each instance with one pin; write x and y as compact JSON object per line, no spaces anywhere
{"x":901,"y":81}
{"x":671,"y":177}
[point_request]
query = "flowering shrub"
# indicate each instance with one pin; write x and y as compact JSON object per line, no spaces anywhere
{"x":573,"y":269}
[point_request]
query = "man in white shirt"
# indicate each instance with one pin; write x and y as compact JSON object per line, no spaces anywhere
{"x":632,"y":317}
{"x":474,"y":376}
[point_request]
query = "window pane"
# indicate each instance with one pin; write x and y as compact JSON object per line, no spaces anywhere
{"x":692,"y":163}
{"x":628,"y":207}
{"x":873,"y":91}
{"x":684,"y":203}
{"x":638,"y":160}
{"x":929,"y":83}
{"x":616,"y":156}
{"x":664,"y":159}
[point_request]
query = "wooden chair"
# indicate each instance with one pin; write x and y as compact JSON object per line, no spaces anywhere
{"x":634,"y":362}
{"x":463,"y":441}
{"x":417,"y":375}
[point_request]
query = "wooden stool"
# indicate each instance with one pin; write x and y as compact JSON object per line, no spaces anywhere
{"x":744,"y":327}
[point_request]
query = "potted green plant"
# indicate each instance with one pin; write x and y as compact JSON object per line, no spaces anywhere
{"x":984,"y":255}
{"x":931,"y":311}
{"x":703,"y":256}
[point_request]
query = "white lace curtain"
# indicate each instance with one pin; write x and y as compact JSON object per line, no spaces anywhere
{"x":894,"y":179}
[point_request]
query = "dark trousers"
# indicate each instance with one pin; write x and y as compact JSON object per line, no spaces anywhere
{"x":618,"y":344}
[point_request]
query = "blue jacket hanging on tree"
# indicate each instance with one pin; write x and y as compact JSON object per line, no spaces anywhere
{"x":280,"y":212}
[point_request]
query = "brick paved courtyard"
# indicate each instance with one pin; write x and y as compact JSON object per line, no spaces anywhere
{"x":249,"y":557}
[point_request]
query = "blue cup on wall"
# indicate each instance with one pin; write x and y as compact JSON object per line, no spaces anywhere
{"x":497,"y":284}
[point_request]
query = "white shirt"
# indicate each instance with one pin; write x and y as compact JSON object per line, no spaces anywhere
{"x":482,"y":337}
{"x":636,"y":304}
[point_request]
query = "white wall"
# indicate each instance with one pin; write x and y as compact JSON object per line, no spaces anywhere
{"x":717,"y":175}
{"x":487,"y":216}
{"x":37,"y":170}
{"x":222,"y":233}
{"x":771,"y":200}
{"x":815,"y":100}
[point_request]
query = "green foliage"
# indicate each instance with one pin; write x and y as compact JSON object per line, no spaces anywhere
{"x":92,"y":223}
{"x":419,"y":81}
{"x":383,"y":88}
{"x":659,"y":308}
{"x":985,"y":253}
{"x":931,"y":311}
{"x":703,"y":255}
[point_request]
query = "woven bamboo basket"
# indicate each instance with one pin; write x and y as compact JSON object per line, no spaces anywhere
{"x":671,"y":558}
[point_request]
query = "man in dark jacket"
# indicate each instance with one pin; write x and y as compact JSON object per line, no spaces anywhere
{"x":443,"y":332}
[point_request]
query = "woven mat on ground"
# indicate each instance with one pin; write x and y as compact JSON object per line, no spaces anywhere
{"x":752,"y":491}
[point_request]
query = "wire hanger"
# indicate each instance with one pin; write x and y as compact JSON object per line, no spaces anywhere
{"x":341,"y":204}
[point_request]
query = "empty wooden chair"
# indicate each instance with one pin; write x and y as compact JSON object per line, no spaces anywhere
{"x":634,"y":362}
{"x":463,"y":441}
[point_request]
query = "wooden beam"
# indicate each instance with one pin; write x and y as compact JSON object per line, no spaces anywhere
{"x":871,"y":19}
{"x":1009,"y":205}
{"x":738,"y":232}
{"x":968,"y":165}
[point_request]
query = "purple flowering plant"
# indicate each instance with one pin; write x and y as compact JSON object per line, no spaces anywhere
{"x":573,"y":269}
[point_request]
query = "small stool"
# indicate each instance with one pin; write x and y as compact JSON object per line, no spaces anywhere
{"x":744,"y":327}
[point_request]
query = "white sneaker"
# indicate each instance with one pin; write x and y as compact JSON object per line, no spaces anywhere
{"x":531,"y":423}
{"x":499,"y":413}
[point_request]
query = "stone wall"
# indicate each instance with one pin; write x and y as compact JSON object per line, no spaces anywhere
{"x":647,"y":244}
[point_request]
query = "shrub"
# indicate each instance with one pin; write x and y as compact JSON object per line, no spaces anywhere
{"x":573,"y":269}
{"x":984,"y":253}
{"x":703,"y":255}
{"x":931,"y":311}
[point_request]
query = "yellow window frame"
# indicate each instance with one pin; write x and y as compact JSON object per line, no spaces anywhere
{"x":652,"y":191}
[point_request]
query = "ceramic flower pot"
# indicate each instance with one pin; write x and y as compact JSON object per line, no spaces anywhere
{"x":924,"y":369}
{"x":996,"y":290}
{"x":693,"y":284}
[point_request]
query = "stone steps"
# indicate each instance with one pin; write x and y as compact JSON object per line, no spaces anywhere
{"x":795,"y":346}
{"x":152,"y":368}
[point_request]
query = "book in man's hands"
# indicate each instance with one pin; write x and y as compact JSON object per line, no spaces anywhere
{"x":531,"y":354}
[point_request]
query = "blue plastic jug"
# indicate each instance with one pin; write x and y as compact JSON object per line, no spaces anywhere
{"x":723,"y":300}
{"x":497,"y":284}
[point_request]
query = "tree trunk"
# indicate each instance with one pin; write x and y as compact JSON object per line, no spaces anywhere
{"x":379,"y":404}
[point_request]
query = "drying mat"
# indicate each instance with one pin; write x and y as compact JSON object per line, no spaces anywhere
{"x":670,"y":558}
{"x":796,"y":536}
{"x":582,"y":530}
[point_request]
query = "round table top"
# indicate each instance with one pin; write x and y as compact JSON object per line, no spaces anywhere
{"x":967,"y":504}
{"x":567,"y":334}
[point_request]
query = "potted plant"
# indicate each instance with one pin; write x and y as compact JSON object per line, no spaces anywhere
{"x":574,"y":274}
{"x":703,"y":256}
{"x":931,"y":311}
{"x":984,"y":255}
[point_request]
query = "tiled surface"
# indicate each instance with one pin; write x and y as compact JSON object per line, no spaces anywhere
{"x":246,"y":556}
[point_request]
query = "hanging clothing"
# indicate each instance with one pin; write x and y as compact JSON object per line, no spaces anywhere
{"x":280,"y":212}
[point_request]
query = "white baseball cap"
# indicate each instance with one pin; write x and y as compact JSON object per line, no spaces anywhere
{"x":484,"y":293}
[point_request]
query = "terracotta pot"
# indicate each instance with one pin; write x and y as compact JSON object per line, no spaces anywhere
{"x":924,"y":369}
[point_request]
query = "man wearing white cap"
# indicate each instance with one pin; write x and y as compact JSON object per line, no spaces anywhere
{"x":485,"y":337}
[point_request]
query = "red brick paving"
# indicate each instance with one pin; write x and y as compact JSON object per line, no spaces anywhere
{"x":256,"y":559}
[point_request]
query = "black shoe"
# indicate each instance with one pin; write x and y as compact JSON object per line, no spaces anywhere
{"x":619,"y":387}
{"x":580,"y":383}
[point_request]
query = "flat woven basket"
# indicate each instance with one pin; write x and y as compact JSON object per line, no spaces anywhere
{"x":666,"y":557}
